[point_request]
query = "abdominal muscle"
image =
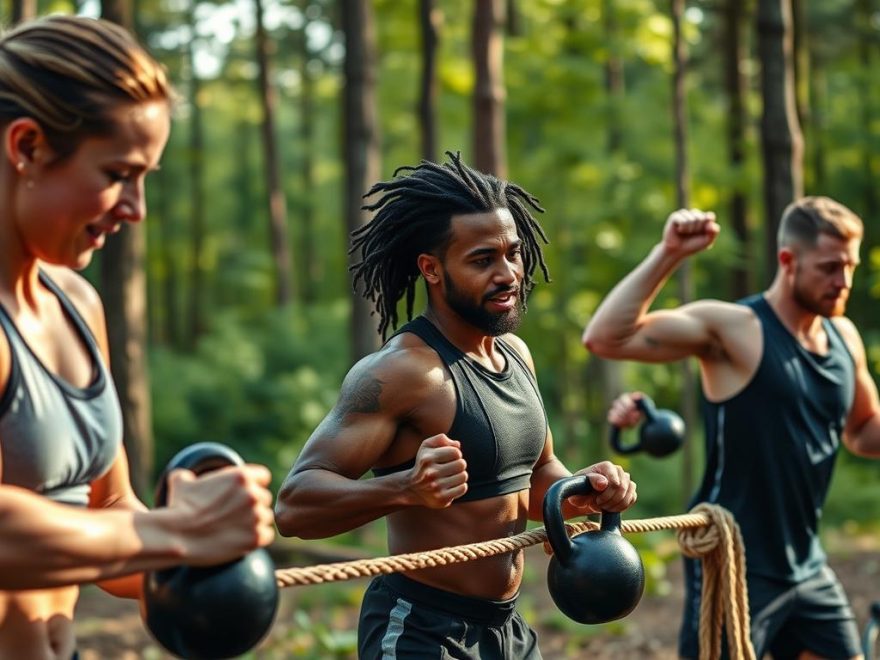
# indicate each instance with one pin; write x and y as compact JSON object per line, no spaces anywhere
{"x":38,"y":625}
{"x":419,"y":529}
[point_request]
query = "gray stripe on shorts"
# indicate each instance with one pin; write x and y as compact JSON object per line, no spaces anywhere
{"x":395,"y":628}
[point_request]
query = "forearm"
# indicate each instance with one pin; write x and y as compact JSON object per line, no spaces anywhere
{"x":866,"y":441}
{"x":318,"y":503}
{"x":128,"y":586}
{"x":618,"y":316}
{"x":47,"y":544}
{"x":544,"y":476}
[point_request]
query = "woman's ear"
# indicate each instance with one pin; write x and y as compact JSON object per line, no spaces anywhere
{"x":24,"y":143}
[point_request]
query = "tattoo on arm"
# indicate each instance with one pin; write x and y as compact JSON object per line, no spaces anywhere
{"x":651,"y":342}
{"x":360,"y":396}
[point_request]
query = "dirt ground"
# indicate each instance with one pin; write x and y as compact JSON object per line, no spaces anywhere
{"x":109,"y":628}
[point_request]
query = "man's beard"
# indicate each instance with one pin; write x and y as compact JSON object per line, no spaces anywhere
{"x":803,"y":298}
{"x":492,"y":324}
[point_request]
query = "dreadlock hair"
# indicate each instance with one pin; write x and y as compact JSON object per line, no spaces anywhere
{"x":413,"y":216}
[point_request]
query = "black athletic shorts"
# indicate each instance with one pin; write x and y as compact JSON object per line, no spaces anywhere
{"x":402,"y":618}
{"x":786,"y":619}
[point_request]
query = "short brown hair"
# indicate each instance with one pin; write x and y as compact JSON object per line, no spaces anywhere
{"x":67,"y":72}
{"x":805,"y":219}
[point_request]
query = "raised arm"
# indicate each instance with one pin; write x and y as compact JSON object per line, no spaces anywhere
{"x":622,"y":327}
{"x":324,"y":493}
{"x":862,"y":433}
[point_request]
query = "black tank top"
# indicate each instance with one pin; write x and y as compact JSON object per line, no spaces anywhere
{"x":499,"y":417}
{"x":770,"y":449}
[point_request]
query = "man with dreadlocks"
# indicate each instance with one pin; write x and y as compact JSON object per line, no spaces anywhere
{"x":447,"y":415}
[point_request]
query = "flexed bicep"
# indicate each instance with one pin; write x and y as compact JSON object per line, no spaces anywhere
{"x":666,"y":335}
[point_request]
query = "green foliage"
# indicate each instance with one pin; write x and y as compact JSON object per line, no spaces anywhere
{"x":313,"y":638}
{"x":260,"y":378}
{"x":259,"y":385}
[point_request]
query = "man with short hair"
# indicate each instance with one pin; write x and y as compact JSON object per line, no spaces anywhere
{"x":785,"y":379}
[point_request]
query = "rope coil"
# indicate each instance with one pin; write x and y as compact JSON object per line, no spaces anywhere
{"x":724,"y":600}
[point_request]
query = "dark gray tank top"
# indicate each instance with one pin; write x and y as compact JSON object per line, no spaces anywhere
{"x":56,"y":438}
{"x":499,"y":417}
{"x":771,"y":449}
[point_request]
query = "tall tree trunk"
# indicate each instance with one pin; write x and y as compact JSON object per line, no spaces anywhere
{"x":610,"y":372}
{"x":614,"y":78}
{"x":124,"y":290}
{"x":489,"y":120}
{"x":781,"y":139}
{"x":571,"y":377}
{"x":512,"y":19}
{"x":683,"y":199}
{"x":196,"y":304}
{"x":310,"y":273}
{"x":818,"y":97}
{"x":865,"y":14}
{"x":168,"y":284}
{"x":280,"y":244}
{"x":361,"y":147}
{"x":247,"y":196}
{"x":23,"y":10}
{"x":736,"y":85}
{"x":430,"y":20}
{"x":801,"y":61}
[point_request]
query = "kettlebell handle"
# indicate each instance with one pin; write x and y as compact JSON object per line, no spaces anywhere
{"x":646,"y":405}
{"x":200,"y":457}
{"x":219,"y":611}
{"x":555,"y":497}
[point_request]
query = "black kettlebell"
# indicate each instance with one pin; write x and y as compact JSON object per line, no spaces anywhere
{"x":215,"y":611}
{"x":594,"y":577}
{"x":661,"y":433}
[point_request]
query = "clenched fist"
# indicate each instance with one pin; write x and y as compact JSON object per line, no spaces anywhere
{"x":440,"y":473}
{"x":624,"y":413}
{"x":688,"y":231}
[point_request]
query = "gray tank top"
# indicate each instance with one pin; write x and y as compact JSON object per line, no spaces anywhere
{"x":55,"y":438}
{"x":499,"y":417}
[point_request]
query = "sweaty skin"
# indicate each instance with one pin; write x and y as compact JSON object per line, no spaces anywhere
{"x":812,"y":283}
{"x":64,"y":210}
{"x":399,"y":403}
{"x":725,"y":337}
{"x":77,"y":206}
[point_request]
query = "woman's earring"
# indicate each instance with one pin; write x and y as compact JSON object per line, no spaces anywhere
{"x":19,"y":166}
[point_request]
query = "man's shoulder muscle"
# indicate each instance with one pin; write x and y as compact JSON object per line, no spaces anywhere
{"x":397,"y":376}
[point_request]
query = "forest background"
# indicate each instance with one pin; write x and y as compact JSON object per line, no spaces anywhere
{"x":231,"y":311}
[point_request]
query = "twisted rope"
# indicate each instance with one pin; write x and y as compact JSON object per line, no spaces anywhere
{"x":350,"y":570}
{"x":724,"y":601}
{"x":708,"y":533}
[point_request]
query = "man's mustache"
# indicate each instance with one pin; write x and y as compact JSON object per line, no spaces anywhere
{"x":500,"y":291}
